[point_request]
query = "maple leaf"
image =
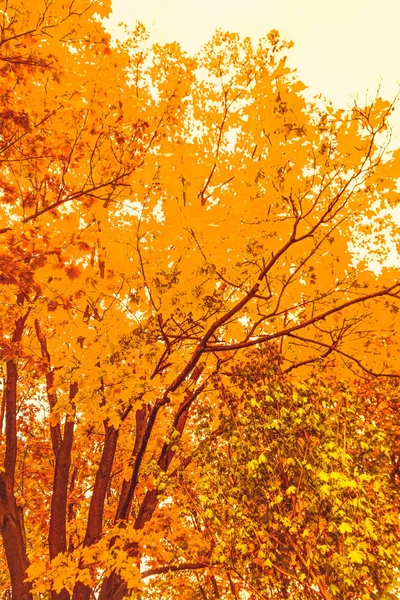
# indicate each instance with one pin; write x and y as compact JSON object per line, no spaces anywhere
{"x":73,"y":272}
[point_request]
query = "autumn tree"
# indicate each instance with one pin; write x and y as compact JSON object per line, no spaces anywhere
{"x":293,"y":486}
{"x":160,"y":213}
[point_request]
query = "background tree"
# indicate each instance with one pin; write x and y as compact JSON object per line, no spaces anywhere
{"x":296,"y":494}
{"x":159,"y":213}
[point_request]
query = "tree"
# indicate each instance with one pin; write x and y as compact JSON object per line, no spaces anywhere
{"x":296,"y":495}
{"x":160,"y":214}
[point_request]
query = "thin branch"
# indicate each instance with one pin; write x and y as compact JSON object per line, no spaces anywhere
{"x":175,"y":568}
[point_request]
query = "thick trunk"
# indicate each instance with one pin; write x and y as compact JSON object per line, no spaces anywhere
{"x":62,"y":448}
{"x":58,"y":514}
{"x":95,"y":518}
{"x":124,"y":510}
{"x":113,"y":587}
{"x":141,"y":420}
{"x":58,"y":519}
{"x":96,"y":509}
{"x":63,"y":595}
{"x":147,"y":508}
{"x":13,"y":542}
{"x":10,"y":521}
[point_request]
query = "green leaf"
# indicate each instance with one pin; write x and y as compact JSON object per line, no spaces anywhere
{"x":334,"y":589}
{"x":262,"y":459}
{"x":355,"y":556}
{"x":325,"y":489}
{"x":345,"y":528}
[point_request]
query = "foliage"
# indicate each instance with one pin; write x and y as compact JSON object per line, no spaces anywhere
{"x":297,"y":493}
{"x":159,"y":214}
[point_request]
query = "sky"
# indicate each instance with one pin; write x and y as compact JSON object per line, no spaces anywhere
{"x":345,"y":50}
{"x":342,"y":48}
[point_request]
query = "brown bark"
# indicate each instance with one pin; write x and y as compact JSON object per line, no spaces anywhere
{"x":58,"y":519}
{"x":149,"y":503}
{"x":10,"y":520}
{"x":13,"y":541}
{"x":141,"y":415}
{"x":62,"y":447}
{"x":71,"y":512}
{"x":114,"y":588}
{"x":96,"y":509}
{"x":59,"y":499}
{"x":125,"y":508}
{"x":3,"y":408}
{"x":55,"y":430}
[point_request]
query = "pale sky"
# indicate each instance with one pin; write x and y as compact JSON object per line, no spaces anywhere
{"x":342,"y":47}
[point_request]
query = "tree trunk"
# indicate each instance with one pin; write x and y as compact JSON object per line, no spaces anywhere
{"x":96,"y":509}
{"x":10,"y":521}
{"x":58,"y":514}
{"x":113,"y":587}
{"x":14,"y":544}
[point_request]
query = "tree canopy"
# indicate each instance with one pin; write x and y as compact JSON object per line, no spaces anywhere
{"x":199,"y":382}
